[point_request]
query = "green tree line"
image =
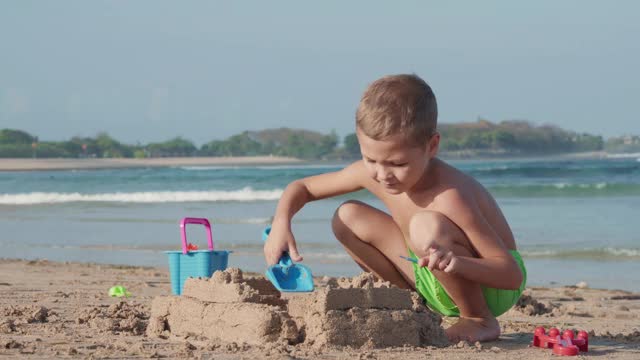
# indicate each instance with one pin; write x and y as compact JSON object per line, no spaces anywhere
{"x":462,"y":139}
{"x":514,"y":138}
{"x":302,"y":144}
{"x":623,"y":144}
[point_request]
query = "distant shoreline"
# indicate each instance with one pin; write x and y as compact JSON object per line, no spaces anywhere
{"x":21,"y":164}
{"x":29,"y":164}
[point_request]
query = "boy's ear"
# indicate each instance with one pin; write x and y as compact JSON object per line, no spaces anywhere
{"x":433,"y":144}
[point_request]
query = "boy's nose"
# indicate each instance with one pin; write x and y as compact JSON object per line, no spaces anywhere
{"x":383,"y":173}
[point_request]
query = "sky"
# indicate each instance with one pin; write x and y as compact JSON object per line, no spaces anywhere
{"x":148,"y":70}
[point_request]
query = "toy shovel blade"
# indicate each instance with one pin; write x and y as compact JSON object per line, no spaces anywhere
{"x":288,"y":276}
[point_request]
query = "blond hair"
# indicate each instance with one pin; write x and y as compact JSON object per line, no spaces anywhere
{"x":398,"y":104}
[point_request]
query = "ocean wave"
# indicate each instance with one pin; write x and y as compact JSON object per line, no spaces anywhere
{"x":624,"y":156}
{"x":246,"y":194}
{"x":492,"y":168}
{"x":226,"y":221}
{"x":309,"y":249}
{"x":612,"y":167}
{"x":205,"y":168}
{"x":580,"y":186}
{"x":565,"y":189}
{"x":608,"y":253}
{"x":261,"y":167}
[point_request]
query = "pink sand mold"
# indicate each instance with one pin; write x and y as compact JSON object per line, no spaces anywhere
{"x":565,"y":345}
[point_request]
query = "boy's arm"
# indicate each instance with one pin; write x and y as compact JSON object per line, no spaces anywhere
{"x":296,"y":195}
{"x":495,"y":267}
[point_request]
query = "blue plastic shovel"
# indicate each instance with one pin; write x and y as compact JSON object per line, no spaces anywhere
{"x":286,"y":275}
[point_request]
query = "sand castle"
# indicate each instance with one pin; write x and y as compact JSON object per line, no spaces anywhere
{"x":357,"y":312}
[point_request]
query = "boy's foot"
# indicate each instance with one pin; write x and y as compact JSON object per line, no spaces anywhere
{"x":473,"y":329}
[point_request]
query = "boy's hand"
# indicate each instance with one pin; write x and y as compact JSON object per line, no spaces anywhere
{"x":278,"y":242}
{"x":439,"y":259}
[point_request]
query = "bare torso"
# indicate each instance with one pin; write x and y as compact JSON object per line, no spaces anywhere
{"x":444,"y":178}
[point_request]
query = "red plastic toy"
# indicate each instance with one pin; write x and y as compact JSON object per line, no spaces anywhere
{"x":192,"y":247}
{"x":565,"y":345}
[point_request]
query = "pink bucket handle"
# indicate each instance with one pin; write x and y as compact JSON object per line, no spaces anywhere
{"x":183,"y":231}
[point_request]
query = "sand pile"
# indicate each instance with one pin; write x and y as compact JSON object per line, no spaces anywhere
{"x":117,"y":318}
{"x":358,"y":312}
{"x":363,"y":312}
{"x":633,"y":337}
{"x":16,"y":320}
{"x":530,"y":306}
{"x":7,"y":326}
{"x":225,"y":307}
{"x":12,"y":317}
{"x":25,"y":314}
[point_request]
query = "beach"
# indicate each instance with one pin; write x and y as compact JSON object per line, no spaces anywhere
{"x":34,"y":164}
{"x":50,"y":309}
{"x":25,"y":164}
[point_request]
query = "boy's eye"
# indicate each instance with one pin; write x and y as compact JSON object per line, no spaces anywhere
{"x":398,"y":164}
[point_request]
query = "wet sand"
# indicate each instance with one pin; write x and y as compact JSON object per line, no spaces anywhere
{"x":50,"y":309}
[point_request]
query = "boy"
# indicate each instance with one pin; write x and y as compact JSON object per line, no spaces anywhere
{"x":467,"y":263}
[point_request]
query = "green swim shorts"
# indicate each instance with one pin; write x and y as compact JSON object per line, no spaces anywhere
{"x":498,"y":300}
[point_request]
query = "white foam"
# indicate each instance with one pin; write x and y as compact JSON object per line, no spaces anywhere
{"x":264,"y":220}
{"x":539,"y":253}
{"x":598,"y":186}
{"x":623,"y":252}
{"x":601,"y":185}
{"x":204,"y":168}
{"x":246,"y":194}
{"x":493,"y":168}
{"x":262,"y":167}
{"x":584,"y":253}
{"x":624,"y":156}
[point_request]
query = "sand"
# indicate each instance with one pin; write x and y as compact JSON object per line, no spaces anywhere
{"x":69,"y":164}
{"x":30,"y":164}
{"x":50,"y":309}
{"x":360,"y":313}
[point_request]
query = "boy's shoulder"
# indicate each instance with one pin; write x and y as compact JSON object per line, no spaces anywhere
{"x":450,"y":188}
{"x":456,"y":192}
{"x":447,"y":179}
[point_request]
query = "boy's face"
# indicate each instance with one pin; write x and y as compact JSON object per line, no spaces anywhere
{"x":394,"y":164}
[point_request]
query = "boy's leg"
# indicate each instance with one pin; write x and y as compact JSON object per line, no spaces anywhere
{"x":477,"y":323}
{"x":374,"y":241}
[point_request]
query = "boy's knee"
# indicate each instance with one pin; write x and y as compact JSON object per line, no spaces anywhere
{"x":428,"y":228}
{"x":344,"y":215}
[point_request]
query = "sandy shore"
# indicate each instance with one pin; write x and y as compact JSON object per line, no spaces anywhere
{"x":69,"y":164}
{"x":50,"y":309}
{"x":22,"y":164}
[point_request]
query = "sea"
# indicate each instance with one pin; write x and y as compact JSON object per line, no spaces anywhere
{"x":575,"y":220}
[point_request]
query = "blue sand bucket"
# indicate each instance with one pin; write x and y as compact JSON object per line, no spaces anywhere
{"x":195,"y":263}
{"x":286,"y":275}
